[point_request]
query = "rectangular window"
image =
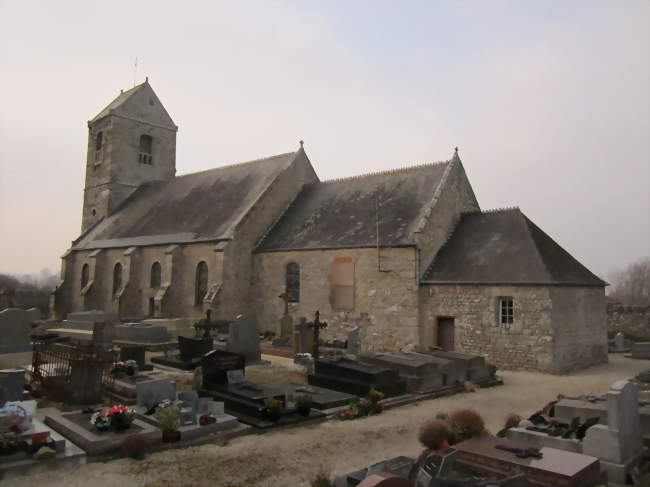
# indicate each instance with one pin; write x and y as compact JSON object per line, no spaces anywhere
{"x":506,"y":310}
{"x":341,"y":280}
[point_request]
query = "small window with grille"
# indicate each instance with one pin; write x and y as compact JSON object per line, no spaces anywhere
{"x":145,"y":152}
{"x":506,"y":310}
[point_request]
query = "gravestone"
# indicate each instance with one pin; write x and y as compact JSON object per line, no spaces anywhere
{"x":244,"y":338}
{"x":216,"y":364}
{"x":139,"y":332}
{"x":152,"y":392}
{"x":619,"y":445}
{"x":354,"y":341}
{"x":34,"y":314}
{"x":189,"y":406}
{"x":175,"y":326}
{"x":137,"y":354}
{"x":15,"y":331}
{"x":86,"y":381}
{"x":193,"y":348}
{"x":303,"y":337}
{"x":103,"y":334}
{"x":94,"y":316}
{"x":641,"y":350}
{"x":12,"y":382}
{"x":285,"y":327}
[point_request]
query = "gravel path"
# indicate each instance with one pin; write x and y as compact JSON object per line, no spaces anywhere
{"x":291,"y":457}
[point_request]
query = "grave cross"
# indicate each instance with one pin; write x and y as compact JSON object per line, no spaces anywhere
{"x":285,"y":299}
{"x":316,"y":325}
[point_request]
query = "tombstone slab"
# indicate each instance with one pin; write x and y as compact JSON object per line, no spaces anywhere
{"x":12,"y":382}
{"x":641,"y":350}
{"x":244,"y":338}
{"x":619,"y":444}
{"x":15,"y":331}
{"x":150,"y":393}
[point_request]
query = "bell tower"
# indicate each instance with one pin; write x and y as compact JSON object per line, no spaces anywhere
{"x":130,"y":142}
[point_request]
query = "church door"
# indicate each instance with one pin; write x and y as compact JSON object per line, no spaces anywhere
{"x":446,"y":332}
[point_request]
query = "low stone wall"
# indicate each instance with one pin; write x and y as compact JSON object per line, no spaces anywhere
{"x":632,"y":321}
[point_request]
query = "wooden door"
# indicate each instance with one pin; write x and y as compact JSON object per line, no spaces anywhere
{"x":446,"y":332}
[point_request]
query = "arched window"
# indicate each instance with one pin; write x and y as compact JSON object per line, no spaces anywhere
{"x":85,"y":275}
{"x":155,"y":275}
{"x":99,"y":140}
{"x":117,"y":277}
{"x":293,"y":282}
{"x":145,"y":151}
{"x":201,"y":285}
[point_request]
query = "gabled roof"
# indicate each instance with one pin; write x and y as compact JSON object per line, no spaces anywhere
{"x":343,"y":213}
{"x":139,"y":103}
{"x":505,"y":247}
{"x":206,"y":205}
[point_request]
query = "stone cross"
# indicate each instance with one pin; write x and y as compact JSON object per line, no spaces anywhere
{"x":317,"y":325}
{"x":285,"y":298}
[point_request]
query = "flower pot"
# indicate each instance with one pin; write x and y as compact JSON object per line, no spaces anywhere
{"x":120,"y":423}
{"x":171,"y":436}
{"x":304,"y":410}
{"x":101,"y":426}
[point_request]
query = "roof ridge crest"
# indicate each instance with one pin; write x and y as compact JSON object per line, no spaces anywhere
{"x":385,"y":172}
{"x":237,"y":164}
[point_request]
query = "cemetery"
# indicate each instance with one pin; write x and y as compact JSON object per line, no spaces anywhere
{"x":98,"y":388}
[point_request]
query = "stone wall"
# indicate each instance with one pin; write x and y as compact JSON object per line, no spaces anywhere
{"x":524,"y":344}
{"x":239,"y":275}
{"x":385,"y":302}
{"x":632,"y":321}
{"x":579,"y":327}
{"x":178,"y":263}
{"x":555,"y":329}
{"x":455,"y":197}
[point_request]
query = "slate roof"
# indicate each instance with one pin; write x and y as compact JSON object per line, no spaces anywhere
{"x":343,"y":213}
{"x":505,"y":247}
{"x":204,"y":205}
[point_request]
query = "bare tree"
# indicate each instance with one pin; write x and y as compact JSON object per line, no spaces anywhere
{"x":632,"y":284}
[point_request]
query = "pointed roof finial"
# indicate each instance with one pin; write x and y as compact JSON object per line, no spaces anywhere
{"x":146,"y":79}
{"x":456,"y":153}
{"x":301,"y":144}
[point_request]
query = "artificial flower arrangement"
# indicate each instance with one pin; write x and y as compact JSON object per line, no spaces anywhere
{"x":118,"y":417}
{"x":365,"y":406}
{"x":119,"y":369}
{"x":206,"y":419}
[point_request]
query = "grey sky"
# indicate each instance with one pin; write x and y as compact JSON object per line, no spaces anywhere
{"x":547,"y":100}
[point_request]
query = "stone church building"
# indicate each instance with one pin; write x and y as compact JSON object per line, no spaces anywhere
{"x":407,"y":255}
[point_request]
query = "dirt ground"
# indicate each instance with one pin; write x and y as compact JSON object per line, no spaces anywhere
{"x":291,"y":457}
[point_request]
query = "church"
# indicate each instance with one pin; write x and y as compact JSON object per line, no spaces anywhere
{"x":406,"y":255}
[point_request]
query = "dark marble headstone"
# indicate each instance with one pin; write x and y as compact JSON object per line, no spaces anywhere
{"x":86,"y":382}
{"x":216,"y":364}
{"x":13,"y":383}
{"x":134,"y":353}
{"x":191,"y":348}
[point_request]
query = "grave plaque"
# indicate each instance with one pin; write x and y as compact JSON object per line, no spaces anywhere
{"x":235,"y":376}
{"x":103,"y":334}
